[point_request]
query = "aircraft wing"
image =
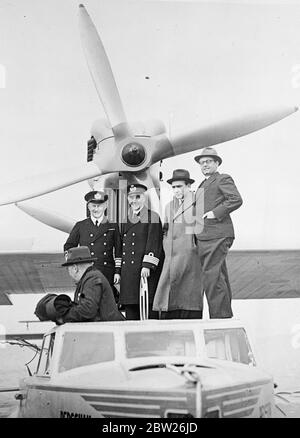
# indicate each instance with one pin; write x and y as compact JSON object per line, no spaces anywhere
{"x":253,"y":274}
{"x":22,"y":273}
{"x":264,"y":274}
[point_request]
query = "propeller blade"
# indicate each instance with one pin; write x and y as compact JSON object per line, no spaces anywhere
{"x":215,"y":134}
{"x":47,"y":217}
{"x":41,"y":184}
{"x":102,"y":74}
{"x":148,"y":128}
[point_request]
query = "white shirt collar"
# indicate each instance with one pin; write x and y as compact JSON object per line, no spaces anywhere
{"x":99,"y":219}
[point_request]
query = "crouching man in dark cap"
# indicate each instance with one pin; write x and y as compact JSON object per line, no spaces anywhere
{"x":94,"y":299}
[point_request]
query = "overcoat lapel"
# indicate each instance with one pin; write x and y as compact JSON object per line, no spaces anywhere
{"x":206,"y":182}
{"x":186,"y":205}
{"x":177,"y":208}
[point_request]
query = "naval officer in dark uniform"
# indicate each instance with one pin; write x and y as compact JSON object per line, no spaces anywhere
{"x":142,"y":253}
{"x":100,"y":236}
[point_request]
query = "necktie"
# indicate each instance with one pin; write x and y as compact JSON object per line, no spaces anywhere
{"x":96,"y":223}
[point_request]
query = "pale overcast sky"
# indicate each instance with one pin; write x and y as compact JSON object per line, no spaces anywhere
{"x":204,"y":61}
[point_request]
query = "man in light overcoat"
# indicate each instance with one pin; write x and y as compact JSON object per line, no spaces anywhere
{"x":179,"y":291}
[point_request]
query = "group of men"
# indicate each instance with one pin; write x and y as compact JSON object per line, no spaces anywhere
{"x":181,"y":260}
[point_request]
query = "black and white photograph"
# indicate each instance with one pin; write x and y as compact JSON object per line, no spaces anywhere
{"x":149,"y":208}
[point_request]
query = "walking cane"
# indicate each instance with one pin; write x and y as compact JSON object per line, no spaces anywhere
{"x":144,"y":299}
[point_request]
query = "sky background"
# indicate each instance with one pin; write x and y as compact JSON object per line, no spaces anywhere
{"x":204,"y":62}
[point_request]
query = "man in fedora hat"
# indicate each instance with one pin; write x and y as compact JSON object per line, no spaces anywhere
{"x":142,"y":254}
{"x":94,"y":299}
{"x":179,"y":291}
{"x":101,"y":236}
{"x":217,"y":196}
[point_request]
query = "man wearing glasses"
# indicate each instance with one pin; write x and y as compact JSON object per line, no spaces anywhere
{"x":218,"y":195}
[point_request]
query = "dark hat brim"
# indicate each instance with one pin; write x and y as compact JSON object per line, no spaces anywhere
{"x":89,"y":197}
{"x":79,"y":260}
{"x":215,"y":157}
{"x":187,"y":180}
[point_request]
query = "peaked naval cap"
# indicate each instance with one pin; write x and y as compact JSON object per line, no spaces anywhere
{"x":136,"y":189}
{"x":96,"y":196}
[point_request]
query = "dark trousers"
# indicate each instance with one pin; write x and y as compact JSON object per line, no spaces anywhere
{"x":132,"y":312}
{"x":181,"y":314}
{"x":216,"y":284}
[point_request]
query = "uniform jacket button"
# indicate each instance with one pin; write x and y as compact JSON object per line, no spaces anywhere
{"x":123,"y":244}
{"x":105,"y":263}
{"x":104,"y":235}
{"x":92,"y":243}
{"x":91,"y":235}
{"x":132,"y":252}
{"x":104,"y":253}
{"x":133,"y":234}
{"x":132,"y":243}
{"x":92,"y":253}
{"x":123,"y":262}
{"x":132,"y":261}
{"x":104,"y":243}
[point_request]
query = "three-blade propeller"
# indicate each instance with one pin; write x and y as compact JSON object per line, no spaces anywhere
{"x":102,"y":74}
{"x":123,"y":149}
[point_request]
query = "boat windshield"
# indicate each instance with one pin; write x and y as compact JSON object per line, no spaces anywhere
{"x":229,"y":344}
{"x":160,"y":343}
{"x":85,"y":348}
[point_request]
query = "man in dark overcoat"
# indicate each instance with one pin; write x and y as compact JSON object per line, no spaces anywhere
{"x":142,"y":253}
{"x":216,"y":197}
{"x":94,"y":298}
{"x":101,"y":236}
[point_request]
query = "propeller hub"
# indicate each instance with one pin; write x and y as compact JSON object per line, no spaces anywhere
{"x":133,"y":154}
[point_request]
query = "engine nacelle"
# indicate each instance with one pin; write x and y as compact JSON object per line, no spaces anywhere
{"x":133,"y":154}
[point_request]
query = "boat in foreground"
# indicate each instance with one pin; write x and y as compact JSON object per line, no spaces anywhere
{"x":147,"y":369}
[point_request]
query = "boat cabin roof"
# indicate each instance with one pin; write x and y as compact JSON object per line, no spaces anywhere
{"x":150,"y":324}
{"x":75,"y":345}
